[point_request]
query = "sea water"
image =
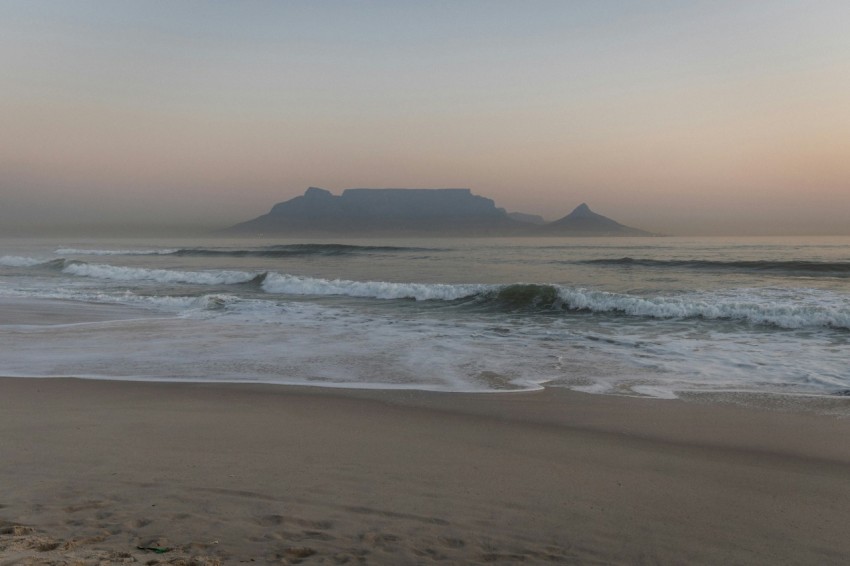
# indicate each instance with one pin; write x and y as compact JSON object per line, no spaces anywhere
{"x":633,"y":316}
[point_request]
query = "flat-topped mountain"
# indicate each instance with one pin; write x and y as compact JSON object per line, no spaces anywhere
{"x":426,"y":212}
{"x":384,"y":211}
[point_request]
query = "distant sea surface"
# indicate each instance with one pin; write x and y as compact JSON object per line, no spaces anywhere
{"x":630,"y":316}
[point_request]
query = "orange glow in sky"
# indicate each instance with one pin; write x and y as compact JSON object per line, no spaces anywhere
{"x":676,"y":117}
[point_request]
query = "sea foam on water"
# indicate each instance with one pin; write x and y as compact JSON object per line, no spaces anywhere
{"x":369,"y":315}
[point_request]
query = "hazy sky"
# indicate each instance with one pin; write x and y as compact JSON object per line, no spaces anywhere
{"x":683,"y":117}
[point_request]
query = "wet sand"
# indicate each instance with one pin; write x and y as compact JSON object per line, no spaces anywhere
{"x":90,"y":471}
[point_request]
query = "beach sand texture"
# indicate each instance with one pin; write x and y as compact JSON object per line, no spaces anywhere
{"x":93,"y":470}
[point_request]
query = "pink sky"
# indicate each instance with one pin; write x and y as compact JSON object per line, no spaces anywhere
{"x":685,"y":118}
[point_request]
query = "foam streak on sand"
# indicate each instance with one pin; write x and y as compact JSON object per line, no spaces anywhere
{"x":228,"y":474}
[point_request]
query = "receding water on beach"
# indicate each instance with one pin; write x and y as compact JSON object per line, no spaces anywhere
{"x":634,"y":316}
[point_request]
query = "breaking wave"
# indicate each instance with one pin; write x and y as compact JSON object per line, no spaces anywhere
{"x":55,"y":264}
{"x":116,"y":273}
{"x":295,"y":285}
{"x":78,"y":251}
{"x":754,"y":307}
{"x":525,"y":296}
{"x":18,"y":261}
{"x":787,"y":309}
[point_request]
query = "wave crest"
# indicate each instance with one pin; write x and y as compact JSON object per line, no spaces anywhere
{"x":829,"y":268}
{"x":754,"y":307}
{"x":102,"y":271}
{"x":295,"y":285}
{"x":19,"y":261}
{"x":79,"y":251}
{"x":526,"y":296}
{"x":788,"y":309}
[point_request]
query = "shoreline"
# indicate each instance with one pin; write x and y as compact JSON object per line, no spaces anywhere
{"x":65,"y":329}
{"x":224,"y":473}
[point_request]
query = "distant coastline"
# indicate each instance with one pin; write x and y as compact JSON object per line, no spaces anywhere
{"x":418,"y":212}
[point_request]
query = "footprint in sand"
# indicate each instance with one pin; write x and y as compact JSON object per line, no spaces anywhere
{"x":14,"y":530}
{"x":317,"y":535}
{"x":270,"y":520}
{"x":139,"y":523}
{"x":84,"y":506}
{"x":277,"y":520}
{"x":298,"y":552}
{"x":430,"y":553}
{"x":379,"y":540}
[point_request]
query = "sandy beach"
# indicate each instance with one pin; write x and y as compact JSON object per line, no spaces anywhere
{"x":108,"y":472}
{"x":425,"y":282}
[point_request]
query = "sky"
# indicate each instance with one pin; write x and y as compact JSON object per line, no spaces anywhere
{"x":688,"y":118}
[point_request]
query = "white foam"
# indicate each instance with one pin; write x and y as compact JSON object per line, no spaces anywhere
{"x":677,"y":356}
{"x":636,"y":344}
{"x":79,"y":251}
{"x":224,"y":337}
{"x":19,"y":261}
{"x":307,"y":344}
{"x":799,"y":308}
{"x":759,"y":306}
{"x":294,"y":285}
{"x":597,"y":388}
{"x":183,"y":305}
{"x":654,"y":391}
{"x":117,"y":273}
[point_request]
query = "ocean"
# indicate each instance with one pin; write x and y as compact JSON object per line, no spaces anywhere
{"x":626,"y":316}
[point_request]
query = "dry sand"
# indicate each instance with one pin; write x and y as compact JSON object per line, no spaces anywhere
{"x":90,"y":471}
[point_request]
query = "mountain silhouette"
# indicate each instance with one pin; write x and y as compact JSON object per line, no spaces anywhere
{"x":584,"y":222}
{"x":417,"y":212}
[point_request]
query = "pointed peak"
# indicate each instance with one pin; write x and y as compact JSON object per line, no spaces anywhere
{"x":581,"y":211}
